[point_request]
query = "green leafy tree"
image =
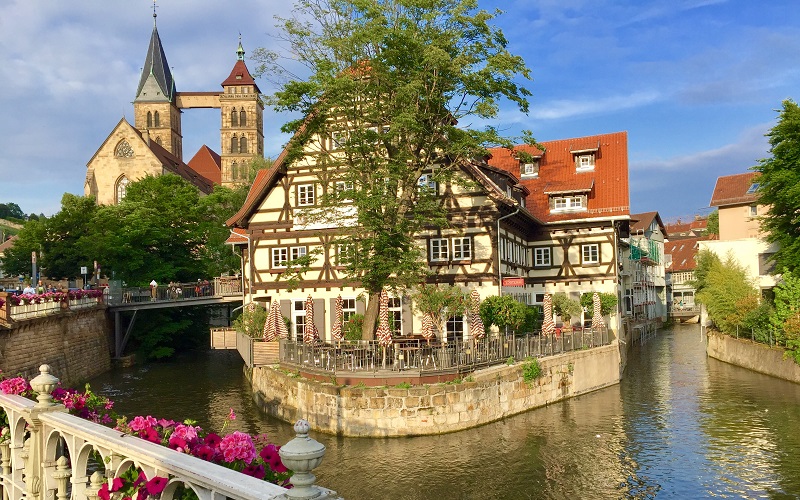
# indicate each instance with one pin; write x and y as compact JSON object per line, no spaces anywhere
{"x":785,"y":320}
{"x":441,"y":302}
{"x":728,"y":294}
{"x":66,"y":246}
{"x":608,"y":302}
{"x":779,"y":187}
{"x":503,"y":311}
{"x":565,"y":307}
{"x":712,"y":223}
{"x":705,"y":260}
{"x":251,"y":321}
{"x":389,"y":81}
{"x":11,"y":211}
{"x":17,"y":259}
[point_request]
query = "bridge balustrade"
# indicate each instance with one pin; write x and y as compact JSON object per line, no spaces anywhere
{"x":42,"y":305}
{"x":46,"y":453}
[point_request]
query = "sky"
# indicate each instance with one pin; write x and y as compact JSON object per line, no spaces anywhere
{"x":695,"y":83}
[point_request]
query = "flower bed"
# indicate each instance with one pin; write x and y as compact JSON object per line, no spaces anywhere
{"x":38,"y":298}
{"x":239,"y":451}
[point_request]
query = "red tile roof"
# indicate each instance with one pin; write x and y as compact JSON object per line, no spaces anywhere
{"x":5,"y":245}
{"x":177,"y":167}
{"x":237,"y":237}
{"x":240,"y":76}
{"x":207,"y":163}
{"x":608,"y":182}
{"x":678,"y":228}
{"x":732,"y":190}
{"x":683,"y":252}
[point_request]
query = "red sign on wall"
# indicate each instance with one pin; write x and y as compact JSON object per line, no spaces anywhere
{"x":513,"y":281}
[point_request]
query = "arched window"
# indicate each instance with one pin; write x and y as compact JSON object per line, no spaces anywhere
{"x":156,"y":120}
{"x":123,"y":149}
{"x":234,"y":171}
{"x":242,"y":118}
{"x":243,"y":144}
{"x":158,"y":141}
{"x":122,"y":188}
{"x":234,"y":118}
{"x":234,"y":145}
{"x":149,"y":119}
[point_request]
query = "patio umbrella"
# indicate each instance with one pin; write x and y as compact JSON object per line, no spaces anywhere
{"x":280,"y":325}
{"x":270,"y":327}
{"x":337,"y":331}
{"x":427,"y":327}
{"x":384,"y":333}
{"x":476,"y":328}
{"x":310,"y":333}
{"x":548,"y":326}
{"x":597,"y":318}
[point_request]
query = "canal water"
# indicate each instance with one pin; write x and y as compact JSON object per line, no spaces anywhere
{"x":679,"y":425}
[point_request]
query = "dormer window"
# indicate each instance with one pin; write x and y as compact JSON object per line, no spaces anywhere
{"x":571,"y":203}
{"x":584,"y":161}
{"x":530,"y":169}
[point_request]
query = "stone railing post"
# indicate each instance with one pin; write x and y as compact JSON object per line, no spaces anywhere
{"x":62,"y":475}
{"x":95,"y":484}
{"x":303,"y":454}
{"x":43,"y":384}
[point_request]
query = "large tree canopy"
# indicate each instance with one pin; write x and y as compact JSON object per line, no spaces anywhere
{"x":779,"y":187}
{"x":390,"y":81}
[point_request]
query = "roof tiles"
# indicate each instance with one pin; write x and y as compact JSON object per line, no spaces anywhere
{"x":732,"y":190}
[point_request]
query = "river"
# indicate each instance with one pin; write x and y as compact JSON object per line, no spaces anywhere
{"x":679,"y":425}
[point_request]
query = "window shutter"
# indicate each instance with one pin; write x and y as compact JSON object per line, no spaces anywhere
{"x":286,"y":312}
{"x":407,"y":316}
{"x":361,"y":307}
{"x":319,"y":317}
{"x":333,"y":312}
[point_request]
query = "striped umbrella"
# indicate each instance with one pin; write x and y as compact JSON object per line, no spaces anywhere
{"x":597,"y":318}
{"x":280,"y":325}
{"x":548,"y":325}
{"x":310,"y":333}
{"x":476,"y":328}
{"x":337,"y":332}
{"x":384,"y":333}
{"x":270,"y":327}
{"x":427,"y":327}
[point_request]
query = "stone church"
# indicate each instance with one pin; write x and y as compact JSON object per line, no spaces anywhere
{"x":153,"y":145}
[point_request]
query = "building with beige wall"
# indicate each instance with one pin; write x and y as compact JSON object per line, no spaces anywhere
{"x":153,"y":144}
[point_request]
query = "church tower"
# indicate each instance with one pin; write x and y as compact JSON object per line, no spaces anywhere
{"x":241,"y":132}
{"x":156,"y":114}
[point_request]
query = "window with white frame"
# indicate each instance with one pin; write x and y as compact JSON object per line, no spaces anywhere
{"x":279,"y":257}
{"x":541,"y":257}
{"x":396,"y":315}
{"x":538,"y":298}
{"x":343,"y":186}
{"x":348,"y":308}
{"x":529,"y":169}
{"x":345,"y":253}
{"x":564,"y":203}
{"x":590,"y":253}
{"x":298,"y":252}
{"x":439,"y":249}
{"x":584,"y":161}
{"x":427,"y":183}
{"x":299,"y":318}
{"x":305,"y":195}
{"x":753,"y":210}
{"x":338,"y":139}
{"x":462,"y":248}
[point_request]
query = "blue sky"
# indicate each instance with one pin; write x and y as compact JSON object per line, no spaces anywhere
{"x":695,"y":83}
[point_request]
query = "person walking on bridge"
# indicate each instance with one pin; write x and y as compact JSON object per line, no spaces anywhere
{"x":153,"y":289}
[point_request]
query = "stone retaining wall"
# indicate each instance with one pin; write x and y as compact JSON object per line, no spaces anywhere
{"x":490,"y":394}
{"x":74,"y":344}
{"x":752,"y":355}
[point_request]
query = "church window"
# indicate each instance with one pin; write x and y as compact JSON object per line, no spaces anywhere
{"x":123,"y":150}
{"x":122,"y":188}
{"x":158,"y":141}
{"x":149,"y":119}
{"x":243,"y":118}
{"x":234,"y":171}
{"x":234,"y":118}
{"x":243,"y":144}
{"x":156,"y":120}
{"x":234,"y":145}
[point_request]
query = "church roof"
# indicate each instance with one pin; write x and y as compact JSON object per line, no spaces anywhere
{"x":240,"y":75}
{"x":207,"y":163}
{"x":157,"y":70}
{"x":173,"y":164}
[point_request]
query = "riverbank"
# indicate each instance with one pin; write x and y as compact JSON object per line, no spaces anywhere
{"x":754,"y":356}
{"x":485,"y":396}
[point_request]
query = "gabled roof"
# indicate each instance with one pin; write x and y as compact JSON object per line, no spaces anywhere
{"x":683,"y":252}
{"x":641,"y":222}
{"x":240,"y":76}
{"x":678,"y":228}
{"x":207,"y":163}
{"x":238,"y":237}
{"x":733,"y":190}
{"x":156,"y":68}
{"x":5,"y":245}
{"x":607,"y":183}
{"x":177,"y":167}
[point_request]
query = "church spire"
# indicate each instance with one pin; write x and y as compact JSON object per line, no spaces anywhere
{"x":156,"y":83}
{"x":240,"y":50}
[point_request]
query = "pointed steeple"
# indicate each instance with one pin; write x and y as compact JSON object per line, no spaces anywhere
{"x":240,"y":75}
{"x":240,"y":50}
{"x":156,"y":83}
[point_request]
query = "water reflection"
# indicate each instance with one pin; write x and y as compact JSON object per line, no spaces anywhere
{"x":678,"y":426}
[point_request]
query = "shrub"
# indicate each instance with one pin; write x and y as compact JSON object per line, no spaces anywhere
{"x":531,"y":370}
{"x":608,"y":301}
{"x":352,"y":328}
{"x":503,"y":311}
{"x":565,"y":307}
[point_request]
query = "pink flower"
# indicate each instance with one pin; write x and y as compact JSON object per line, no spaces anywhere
{"x":213,"y":440}
{"x":141,"y":423}
{"x":231,"y":415}
{"x":16,"y":385}
{"x":256,"y":471}
{"x":104,"y":493}
{"x":116,"y":484}
{"x":204,"y":452}
{"x":270,"y":455}
{"x":156,"y":485}
{"x":186,"y":432}
{"x":177,"y":443}
{"x":238,"y":446}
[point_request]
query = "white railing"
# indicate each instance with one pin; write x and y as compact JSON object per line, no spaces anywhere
{"x":47,"y":454}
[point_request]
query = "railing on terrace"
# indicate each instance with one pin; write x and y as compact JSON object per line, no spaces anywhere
{"x":435,"y":357}
{"x":33,"y":306}
{"x":46,"y":454}
{"x":224,"y":286}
